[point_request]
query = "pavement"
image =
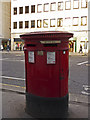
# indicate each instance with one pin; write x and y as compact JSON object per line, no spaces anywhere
{"x":13,"y":103}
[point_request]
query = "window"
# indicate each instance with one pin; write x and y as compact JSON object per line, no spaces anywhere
{"x":15,"y":11}
{"x":60,"y":6}
{"x":67,"y":22}
{"x":84,"y":21}
{"x":32,"y":8}
{"x":26,"y":9}
{"x":26,"y":24}
{"x":75,"y":4}
{"x":21,"y":24}
{"x":21,"y":10}
{"x":15,"y":25}
{"x":39,"y":23}
{"x":60,"y":22}
{"x":39,"y":8}
{"x":75,"y":21}
{"x":83,"y":3}
{"x":52,"y":22}
{"x":53,"y":6}
{"x":45,"y":23}
{"x":46,"y":7}
{"x":32,"y":23}
{"x":68,"y":5}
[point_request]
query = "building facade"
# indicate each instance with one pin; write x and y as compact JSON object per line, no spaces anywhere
{"x":5,"y":23}
{"x":51,"y":15}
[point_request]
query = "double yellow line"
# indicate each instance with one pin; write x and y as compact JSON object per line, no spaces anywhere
{"x":12,"y":85}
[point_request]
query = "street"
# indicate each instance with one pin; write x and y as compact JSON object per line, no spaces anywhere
{"x":13,"y":71}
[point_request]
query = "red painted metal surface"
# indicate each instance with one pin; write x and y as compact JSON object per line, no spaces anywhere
{"x":42,"y":79}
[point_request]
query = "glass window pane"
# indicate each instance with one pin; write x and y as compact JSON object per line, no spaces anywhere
{"x":32,"y":8}
{"x":21,"y":10}
{"x":26,"y":24}
{"x":21,"y":24}
{"x":60,"y":22}
{"x":39,"y":23}
{"x":45,"y":23}
{"x":84,"y":3}
{"x":52,"y":22}
{"x":39,"y":8}
{"x":53,"y":6}
{"x":75,"y":21}
{"x":15,"y":25}
{"x":76,"y":4}
{"x":60,"y":5}
{"x":26,"y":9}
{"x":84,"y":21}
{"x":68,"y":5}
{"x":46,"y":7}
{"x":15,"y":11}
{"x":32,"y":23}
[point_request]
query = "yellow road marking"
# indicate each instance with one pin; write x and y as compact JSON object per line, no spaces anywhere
{"x":13,"y":85}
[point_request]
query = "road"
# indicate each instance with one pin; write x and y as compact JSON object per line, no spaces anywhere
{"x":13,"y":71}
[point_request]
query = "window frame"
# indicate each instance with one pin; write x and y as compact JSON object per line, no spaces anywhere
{"x":81,"y":20}
{"x":44,"y":7}
{"x":26,"y":25}
{"x":14,"y":11}
{"x":14,"y":25}
{"x":51,"y":6}
{"x":37,"y":8}
{"x":32,"y":11}
{"x":20,"y":10}
{"x":31,"y":23}
{"x":26,"y":10}
{"x":74,"y":4}
{"x":59,"y":6}
{"x":78,"y":21}
{"x":66,"y":3}
{"x":57,"y":22}
{"x":44,"y":23}
{"x":22,"y":25}
{"x":40,"y":23}
{"x":69,"y":18}
{"x":86,"y":4}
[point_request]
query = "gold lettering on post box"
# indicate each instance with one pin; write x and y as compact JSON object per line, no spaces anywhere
{"x":49,"y":42}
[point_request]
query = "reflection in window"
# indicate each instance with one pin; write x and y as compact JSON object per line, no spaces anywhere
{"x":60,"y":6}
{"x":68,"y":5}
{"x":45,"y":23}
{"x":21,"y":24}
{"x":20,"y":10}
{"x":39,"y":8}
{"x":75,"y":21}
{"x":15,"y":11}
{"x":60,"y":22}
{"x":32,"y":23}
{"x":75,"y":4}
{"x":26,"y":24}
{"x":83,"y":21}
{"x":46,"y":7}
{"x":15,"y":25}
{"x":32,"y":8}
{"x":68,"y":22}
{"x":26,"y":9}
{"x":53,"y":6}
{"x":84,"y":3}
{"x":39,"y":23}
{"x":52,"y":22}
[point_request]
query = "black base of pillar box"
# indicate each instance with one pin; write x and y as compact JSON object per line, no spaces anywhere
{"x":40,"y":107}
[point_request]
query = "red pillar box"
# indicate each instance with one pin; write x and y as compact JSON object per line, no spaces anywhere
{"x":46,"y":61}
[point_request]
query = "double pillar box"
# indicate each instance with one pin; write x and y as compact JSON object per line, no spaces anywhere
{"x":47,"y":69}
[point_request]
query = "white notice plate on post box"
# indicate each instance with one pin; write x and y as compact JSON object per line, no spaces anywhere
{"x":31,"y":57}
{"x":50,"y":57}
